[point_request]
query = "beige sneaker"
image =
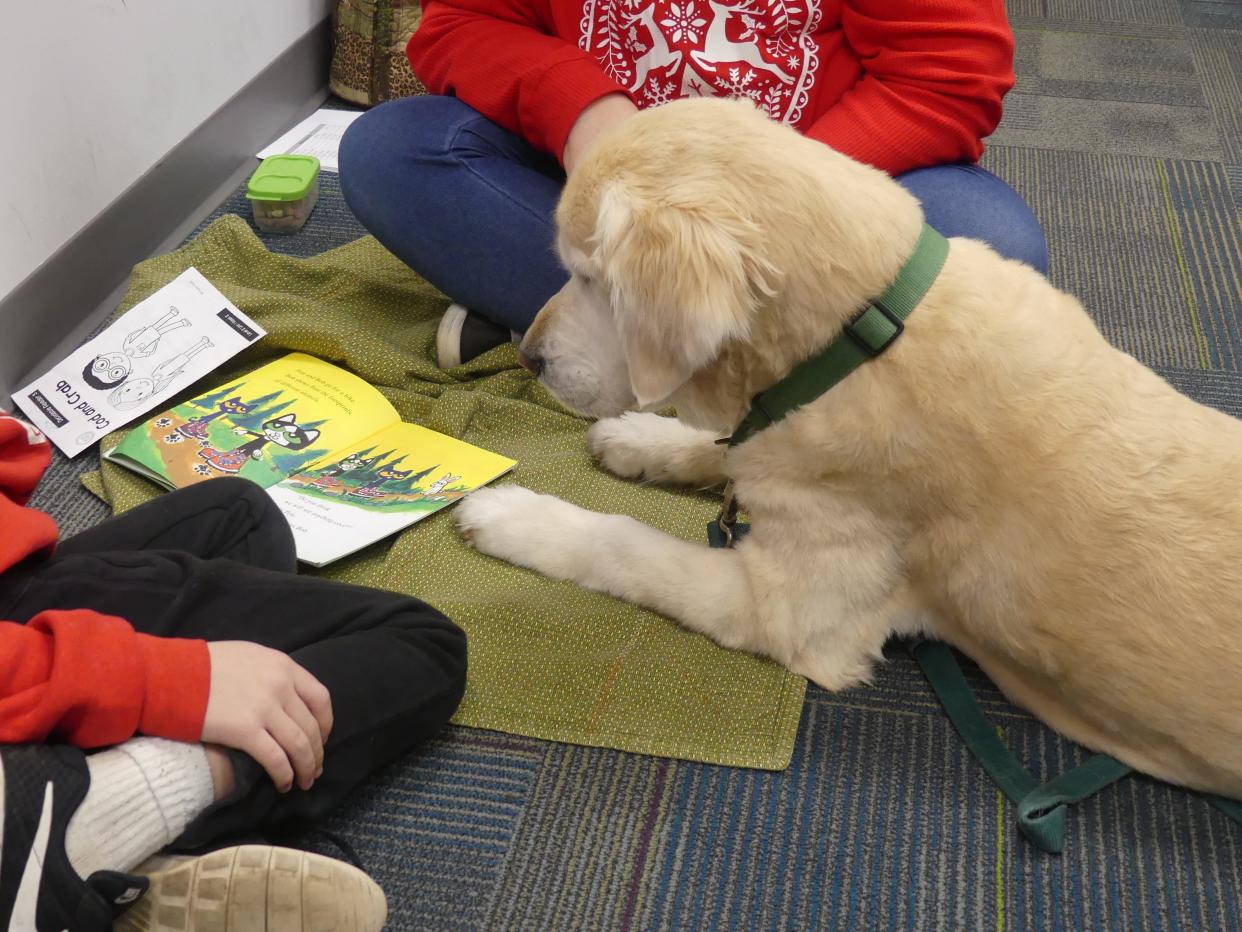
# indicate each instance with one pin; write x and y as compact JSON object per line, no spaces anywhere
{"x":255,"y":887}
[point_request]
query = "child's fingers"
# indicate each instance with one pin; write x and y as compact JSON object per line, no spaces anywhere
{"x":296,"y":745}
{"x":272,"y":758}
{"x":296,"y":709}
{"x":317,"y":699}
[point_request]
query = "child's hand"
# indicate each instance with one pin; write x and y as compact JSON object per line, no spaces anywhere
{"x":596,"y":119}
{"x":263,"y":703}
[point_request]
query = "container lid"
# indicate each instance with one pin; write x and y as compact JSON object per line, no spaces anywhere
{"x":283,"y":178}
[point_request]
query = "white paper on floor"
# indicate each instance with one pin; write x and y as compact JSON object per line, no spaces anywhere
{"x":164,"y":344}
{"x":318,"y":135}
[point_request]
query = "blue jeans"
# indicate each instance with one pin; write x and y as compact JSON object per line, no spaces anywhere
{"x":469,"y":205}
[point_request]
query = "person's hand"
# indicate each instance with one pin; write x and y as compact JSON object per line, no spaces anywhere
{"x":597,"y":118}
{"x":263,"y":703}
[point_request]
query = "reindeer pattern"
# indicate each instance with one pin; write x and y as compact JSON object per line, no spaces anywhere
{"x":662,"y":50}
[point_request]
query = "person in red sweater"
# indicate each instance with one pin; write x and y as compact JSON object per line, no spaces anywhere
{"x":462,"y":186}
{"x":226,"y":694}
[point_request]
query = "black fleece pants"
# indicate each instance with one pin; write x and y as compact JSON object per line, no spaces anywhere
{"x":216,"y":561}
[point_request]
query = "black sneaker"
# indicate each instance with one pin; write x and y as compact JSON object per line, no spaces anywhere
{"x":462,"y":336}
{"x":42,"y":787}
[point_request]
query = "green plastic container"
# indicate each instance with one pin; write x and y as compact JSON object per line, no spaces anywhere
{"x":283,"y":191}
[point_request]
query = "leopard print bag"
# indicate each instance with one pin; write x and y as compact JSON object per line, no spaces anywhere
{"x":369,"y":65}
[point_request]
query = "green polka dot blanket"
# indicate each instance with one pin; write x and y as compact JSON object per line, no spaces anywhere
{"x":547,"y":659}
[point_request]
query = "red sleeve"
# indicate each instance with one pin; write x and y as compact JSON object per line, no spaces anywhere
{"x":934,"y":74}
{"x":24,"y":456}
{"x":91,"y":680}
{"x":502,"y":58}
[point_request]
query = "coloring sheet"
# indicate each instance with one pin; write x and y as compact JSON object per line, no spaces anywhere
{"x":165,"y":343}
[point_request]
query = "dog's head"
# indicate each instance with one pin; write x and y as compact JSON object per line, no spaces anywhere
{"x":665,"y":268}
{"x":681,"y":230}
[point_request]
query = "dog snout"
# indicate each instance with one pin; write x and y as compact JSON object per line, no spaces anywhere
{"x":533,"y":362}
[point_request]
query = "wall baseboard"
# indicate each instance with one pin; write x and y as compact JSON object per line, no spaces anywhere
{"x":54,"y":309}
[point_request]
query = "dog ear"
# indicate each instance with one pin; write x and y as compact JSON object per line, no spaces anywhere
{"x":684,"y":279}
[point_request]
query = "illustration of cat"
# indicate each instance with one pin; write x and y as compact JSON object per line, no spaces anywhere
{"x":351,"y":463}
{"x":284,"y":431}
{"x":385,"y":475}
{"x":197,"y":427}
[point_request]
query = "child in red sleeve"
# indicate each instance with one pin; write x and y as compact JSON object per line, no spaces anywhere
{"x":462,"y":187}
{"x":262,"y":698}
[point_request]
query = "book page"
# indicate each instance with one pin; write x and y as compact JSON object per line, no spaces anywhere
{"x":263,"y":426}
{"x":163,"y":344}
{"x":368,"y":491}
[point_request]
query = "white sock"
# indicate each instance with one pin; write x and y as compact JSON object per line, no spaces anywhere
{"x":143,"y":794}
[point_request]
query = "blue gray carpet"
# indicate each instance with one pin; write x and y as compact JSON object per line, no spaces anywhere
{"x":1125,"y":134}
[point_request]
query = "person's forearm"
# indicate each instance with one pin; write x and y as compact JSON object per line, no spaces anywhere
{"x":595,"y":119}
{"x":499,"y":57}
{"x":933,"y":76}
{"x":90,"y":680}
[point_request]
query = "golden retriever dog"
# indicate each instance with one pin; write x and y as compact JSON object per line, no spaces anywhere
{"x":1001,"y":478}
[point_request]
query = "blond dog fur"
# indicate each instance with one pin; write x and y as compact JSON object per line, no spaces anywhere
{"x":1002,"y":478}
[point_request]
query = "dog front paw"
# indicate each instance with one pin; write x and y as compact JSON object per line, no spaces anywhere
{"x":525,"y":528}
{"x":621,"y":444}
{"x":641,"y":445}
{"x":492,"y":519}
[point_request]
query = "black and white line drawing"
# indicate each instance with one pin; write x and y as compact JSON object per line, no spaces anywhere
{"x":135,"y":391}
{"x":109,"y":370}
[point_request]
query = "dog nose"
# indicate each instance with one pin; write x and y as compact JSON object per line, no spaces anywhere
{"x":533,"y":363}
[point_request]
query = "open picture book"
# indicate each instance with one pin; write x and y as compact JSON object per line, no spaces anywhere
{"x":329,"y":449}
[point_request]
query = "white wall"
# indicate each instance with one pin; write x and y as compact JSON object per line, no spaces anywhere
{"x":98,"y":91}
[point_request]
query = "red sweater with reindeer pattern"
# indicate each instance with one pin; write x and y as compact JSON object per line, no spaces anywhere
{"x":75,"y":675}
{"x":898,"y":84}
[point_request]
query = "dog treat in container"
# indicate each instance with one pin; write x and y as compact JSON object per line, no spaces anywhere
{"x":283,"y":191}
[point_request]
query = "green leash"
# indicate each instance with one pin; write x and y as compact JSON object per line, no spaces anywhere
{"x":1041,"y":807}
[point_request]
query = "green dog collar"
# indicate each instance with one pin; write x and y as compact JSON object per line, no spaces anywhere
{"x":872,"y":331}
